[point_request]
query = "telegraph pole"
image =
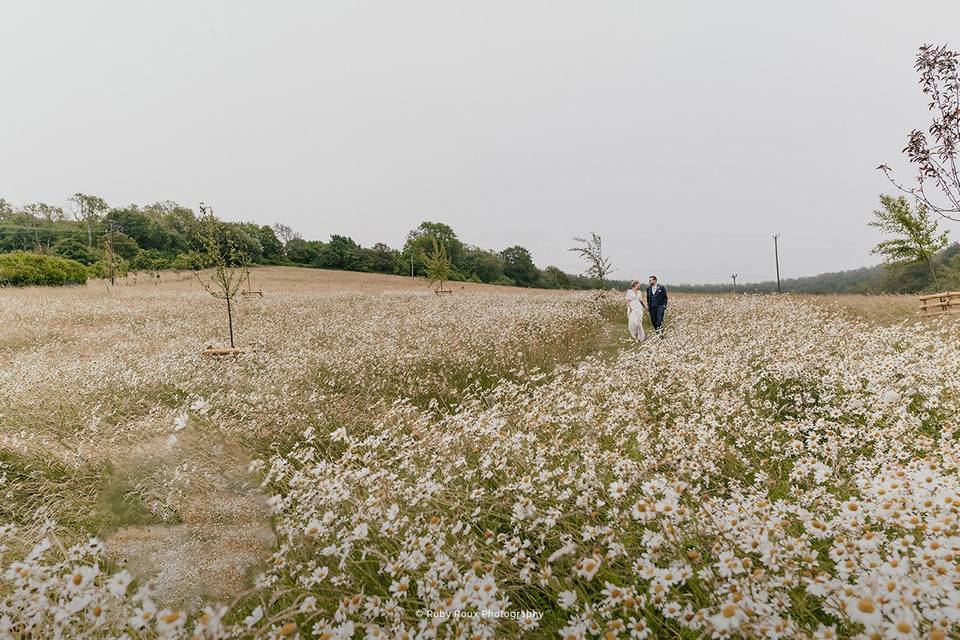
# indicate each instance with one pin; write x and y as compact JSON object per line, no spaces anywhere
{"x":734,"y":276}
{"x":111,"y":227}
{"x":776,"y":257}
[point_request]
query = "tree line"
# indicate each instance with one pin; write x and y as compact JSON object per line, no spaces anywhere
{"x":166,"y":235}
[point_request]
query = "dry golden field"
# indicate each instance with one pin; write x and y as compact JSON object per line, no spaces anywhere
{"x":495,"y":463}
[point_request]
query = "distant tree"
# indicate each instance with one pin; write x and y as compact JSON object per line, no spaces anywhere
{"x":226,"y":259}
{"x":187,"y":261}
{"x":437,"y":264}
{"x":518,"y":266}
{"x":382,"y":259}
{"x":269,"y":242}
{"x":175,"y":220}
{"x":234,"y":237}
{"x":122,"y":244}
{"x":554,"y":278}
{"x":300,"y":251}
{"x":340,"y":253}
{"x":286,"y":235}
{"x":88,"y":209}
{"x":918,"y":239}
{"x":591,"y":250}
{"x":137,"y":225}
{"x":74,"y":249}
{"x":936,"y":158}
{"x":45,"y":212}
{"x":953,"y":272}
{"x":482,"y":265}
{"x":150,"y":260}
{"x":38,"y":221}
{"x":420,"y":242}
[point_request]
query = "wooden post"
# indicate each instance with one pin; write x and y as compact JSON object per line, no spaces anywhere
{"x":230,"y":321}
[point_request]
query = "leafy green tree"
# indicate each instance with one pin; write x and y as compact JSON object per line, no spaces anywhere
{"x":420,"y":243}
{"x":187,"y":261}
{"x":918,"y":239}
{"x":150,"y":260}
{"x":123,"y":245}
{"x":109,"y":266}
{"x":382,"y":259}
{"x":44,"y":212}
{"x":485,"y":266}
{"x":233,"y":238}
{"x":271,"y":245}
{"x":340,"y":253}
{"x":300,"y":251}
{"x":176,"y":222}
{"x":74,"y":249}
{"x":285,"y":235}
{"x":89,"y":210}
{"x":437,"y":264}
{"x":518,"y":266}
{"x":147,"y":233}
{"x":554,"y":278}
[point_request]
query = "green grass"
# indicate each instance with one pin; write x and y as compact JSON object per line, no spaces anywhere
{"x":86,"y":499}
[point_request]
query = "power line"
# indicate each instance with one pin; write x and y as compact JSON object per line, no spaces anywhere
{"x":10,"y":228}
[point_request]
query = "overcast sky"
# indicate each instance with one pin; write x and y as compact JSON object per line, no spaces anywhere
{"x":685,"y":133}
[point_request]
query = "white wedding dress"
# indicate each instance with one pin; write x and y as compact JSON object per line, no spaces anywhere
{"x":635,"y":315}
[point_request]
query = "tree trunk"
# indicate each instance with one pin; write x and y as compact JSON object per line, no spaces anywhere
{"x":933,"y":272}
{"x":230,"y":321}
{"x":89,"y":234}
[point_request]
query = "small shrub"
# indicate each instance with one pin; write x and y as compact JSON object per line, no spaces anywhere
{"x":101,"y":268}
{"x":75,"y":249}
{"x":189,"y":261}
{"x":22,"y":269}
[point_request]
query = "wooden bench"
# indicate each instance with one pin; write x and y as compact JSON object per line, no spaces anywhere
{"x":252,"y":292}
{"x":937,"y":303}
{"x":441,"y":292}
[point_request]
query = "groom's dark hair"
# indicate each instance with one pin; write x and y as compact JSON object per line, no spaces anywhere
{"x":654,"y":277}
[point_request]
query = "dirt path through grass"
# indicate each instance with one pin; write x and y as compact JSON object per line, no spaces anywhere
{"x":216,"y":527}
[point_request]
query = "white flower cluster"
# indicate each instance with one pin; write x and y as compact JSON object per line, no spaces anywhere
{"x":757,"y":483}
{"x":793,"y":475}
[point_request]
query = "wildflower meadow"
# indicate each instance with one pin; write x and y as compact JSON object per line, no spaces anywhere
{"x":490,"y":464}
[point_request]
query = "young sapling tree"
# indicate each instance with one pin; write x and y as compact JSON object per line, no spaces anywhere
{"x":225,"y":260}
{"x":917,"y":238}
{"x":437,"y":264}
{"x":591,"y":250}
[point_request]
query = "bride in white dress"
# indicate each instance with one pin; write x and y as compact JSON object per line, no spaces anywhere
{"x":635,"y":307}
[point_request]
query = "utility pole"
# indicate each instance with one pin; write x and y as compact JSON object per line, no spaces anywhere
{"x":111,"y":226}
{"x":776,"y":257}
{"x":411,"y":263}
{"x":734,"y":276}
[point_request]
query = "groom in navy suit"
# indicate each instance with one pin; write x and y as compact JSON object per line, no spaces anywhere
{"x":657,"y":304}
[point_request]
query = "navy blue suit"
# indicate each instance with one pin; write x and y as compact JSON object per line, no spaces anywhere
{"x":657,"y":304}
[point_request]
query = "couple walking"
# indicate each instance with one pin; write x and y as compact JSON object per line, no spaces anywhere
{"x":656,"y":304}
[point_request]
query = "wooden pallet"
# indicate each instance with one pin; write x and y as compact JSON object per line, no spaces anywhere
{"x":937,"y":303}
{"x":221,"y":352}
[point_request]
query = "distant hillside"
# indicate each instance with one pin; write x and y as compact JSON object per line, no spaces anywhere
{"x":876,"y":279}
